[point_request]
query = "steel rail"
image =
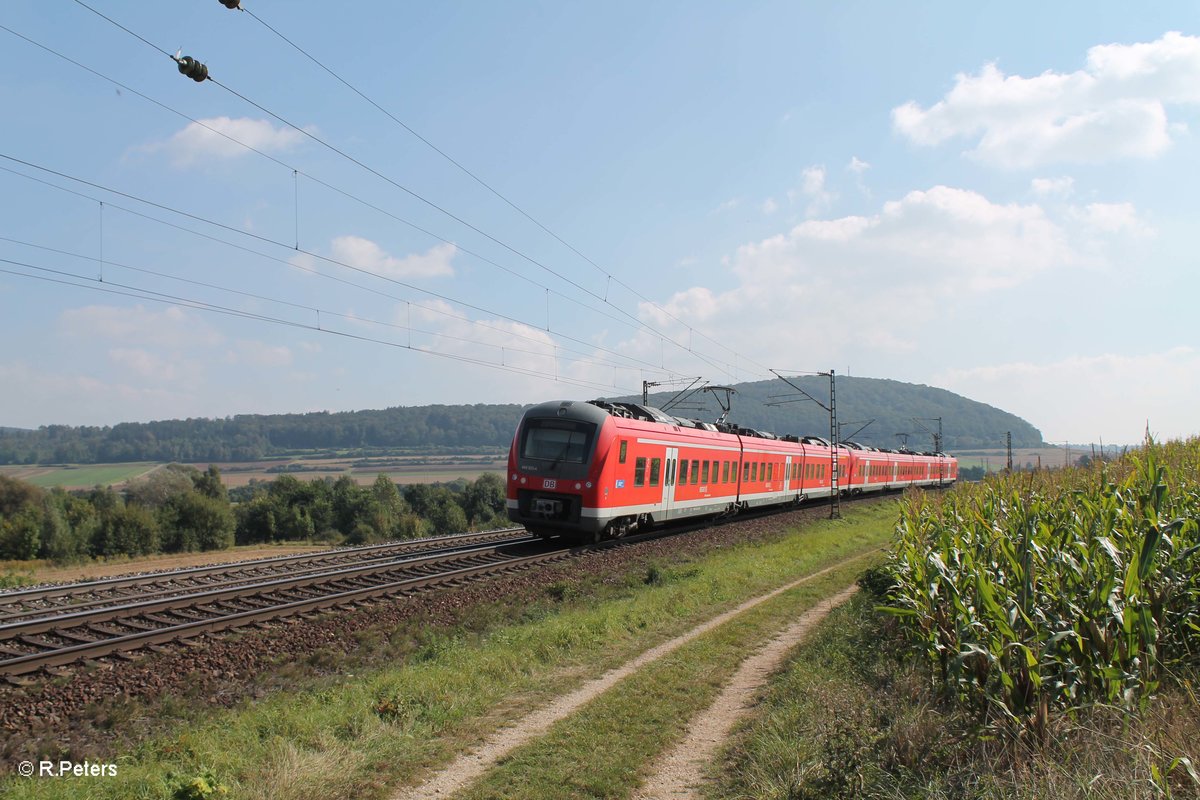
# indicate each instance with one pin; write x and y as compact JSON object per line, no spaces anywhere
{"x":19,"y":663}
{"x":23,"y":596}
{"x":61,"y":656}
{"x":236,"y":580}
{"x":75,"y":619}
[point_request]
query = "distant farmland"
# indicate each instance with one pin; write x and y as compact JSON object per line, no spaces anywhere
{"x":405,"y":469}
{"x":408,"y":469}
{"x":79,"y":477}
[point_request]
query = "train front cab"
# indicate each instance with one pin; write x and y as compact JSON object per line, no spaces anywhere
{"x":553,"y":468}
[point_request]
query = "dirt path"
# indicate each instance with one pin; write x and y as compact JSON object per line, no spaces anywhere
{"x":680,"y":772}
{"x":469,"y":767}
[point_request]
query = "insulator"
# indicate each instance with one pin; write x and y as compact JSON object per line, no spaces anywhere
{"x":230,"y":3}
{"x":193,"y":69}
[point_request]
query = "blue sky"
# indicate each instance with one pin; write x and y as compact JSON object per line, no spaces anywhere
{"x":997,"y":200}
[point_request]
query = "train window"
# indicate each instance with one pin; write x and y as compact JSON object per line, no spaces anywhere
{"x":716,"y":471}
{"x":655,"y":470}
{"x":557,"y":440}
{"x":745,"y":471}
{"x":725,"y":472}
{"x":683,"y":466}
{"x":695,"y":472}
{"x":639,"y":472}
{"x":754,"y":471}
{"x":704,"y":473}
{"x":624,"y":449}
{"x":670,"y":472}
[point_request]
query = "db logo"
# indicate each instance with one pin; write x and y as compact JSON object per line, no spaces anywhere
{"x":549,"y":483}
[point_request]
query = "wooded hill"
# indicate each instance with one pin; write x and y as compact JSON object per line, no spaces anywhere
{"x":249,"y":437}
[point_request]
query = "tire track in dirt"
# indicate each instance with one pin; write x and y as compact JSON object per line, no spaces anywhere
{"x":467,"y":768}
{"x":679,"y":773}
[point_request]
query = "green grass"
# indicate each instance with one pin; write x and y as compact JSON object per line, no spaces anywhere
{"x":607,"y":748}
{"x":850,"y":716}
{"x":371,"y":733}
{"x":100,"y":474}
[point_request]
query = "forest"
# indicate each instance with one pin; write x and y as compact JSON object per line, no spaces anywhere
{"x":179,"y":508}
{"x":894,"y":407}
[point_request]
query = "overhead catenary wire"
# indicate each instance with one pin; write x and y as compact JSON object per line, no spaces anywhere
{"x":437,"y":207}
{"x":93,"y":284}
{"x":335,"y":262}
{"x":630,"y":320}
{"x":588,"y":360}
{"x":606,"y":273}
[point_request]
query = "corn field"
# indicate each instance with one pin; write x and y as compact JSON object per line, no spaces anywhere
{"x":1037,"y":593}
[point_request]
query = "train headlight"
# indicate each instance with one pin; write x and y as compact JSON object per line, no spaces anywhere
{"x":514,"y":477}
{"x":578,"y":486}
{"x":522,"y":480}
{"x":588,"y":484}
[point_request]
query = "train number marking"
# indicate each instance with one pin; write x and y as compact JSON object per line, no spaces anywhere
{"x":549,"y":483}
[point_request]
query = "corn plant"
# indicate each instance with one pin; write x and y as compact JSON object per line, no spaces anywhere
{"x":1037,"y":592}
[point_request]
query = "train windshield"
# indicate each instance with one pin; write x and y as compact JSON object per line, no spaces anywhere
{"x":557,"y":440}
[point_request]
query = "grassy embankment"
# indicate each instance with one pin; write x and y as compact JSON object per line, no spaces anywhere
{"x":365,"y":735}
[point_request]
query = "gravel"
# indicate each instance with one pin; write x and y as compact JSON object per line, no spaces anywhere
{"x":95,"y":710}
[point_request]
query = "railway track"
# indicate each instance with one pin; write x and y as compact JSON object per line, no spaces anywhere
{"x":52,"y":626}
{"x":124,"y":589}
{"x":153,"y":611}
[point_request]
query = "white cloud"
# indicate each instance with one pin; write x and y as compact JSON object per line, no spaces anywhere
{"x":219,"y":137}
{"x":812,"y":188}
{"x":143,"y":363}
{"x":917,"y":259}
{"x":769,"y":206}
{"x":856,"y":166}
{"x":1108,"y":218}
{"x":1115,"y":107}
{"x":1085,"y":397}
{"x":365,"y":254}
{"x":728,"y":205}
{"x":77,"y":399}
{"x":259,"y":354}
{"x":1049,"y":187}
{"x":170,"y":327}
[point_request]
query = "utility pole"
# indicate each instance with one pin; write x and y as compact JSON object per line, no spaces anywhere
{"x":937,"y":435}
{"x":835,"y":498}
{"x":1008,"y":437}
{"x":835,"y":505}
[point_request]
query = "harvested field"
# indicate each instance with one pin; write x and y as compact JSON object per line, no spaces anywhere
{"x":46,"y":572}
{"x":364,"y":471}
{"x":83,"y":476}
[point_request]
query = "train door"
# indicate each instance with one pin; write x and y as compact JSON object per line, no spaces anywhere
{"x":668,"y":495}
{"x":787,"y":475}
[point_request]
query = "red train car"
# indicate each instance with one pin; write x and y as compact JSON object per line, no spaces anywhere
{"x":598,"y":469}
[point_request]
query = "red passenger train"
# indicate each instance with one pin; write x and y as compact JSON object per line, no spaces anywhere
{"x":601,"y":469}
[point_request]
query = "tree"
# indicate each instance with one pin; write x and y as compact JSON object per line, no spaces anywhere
{"x":445,"y":516}
{"x":391,"y":510}
{"x":21,"y":534}
{"x":209,"y":484}
{"x":156,"y":489}
{"x":256,"y":520}
{"x":126,"y":530}
{"x":22,"y":511}
{"x":484,"y":500}
{"x":193,"y":521}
